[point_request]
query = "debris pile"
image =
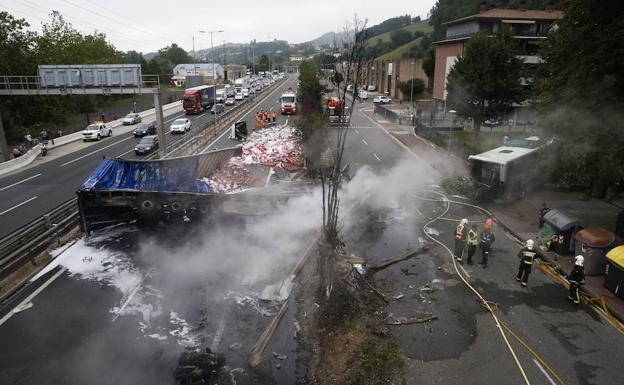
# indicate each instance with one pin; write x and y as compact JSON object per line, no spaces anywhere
{"x":275,"y":147}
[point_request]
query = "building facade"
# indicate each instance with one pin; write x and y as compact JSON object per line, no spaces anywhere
{"x":386,"y":75}
{"x":529,"y":27}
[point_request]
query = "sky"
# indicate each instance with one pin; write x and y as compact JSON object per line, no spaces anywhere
{"x":146,"y":26}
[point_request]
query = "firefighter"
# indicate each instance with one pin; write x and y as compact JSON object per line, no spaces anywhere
{"x":263,"y":119}
{"x":473,"y":242}
{"x":543,"y":212}
{"x":257,"y":120}
{"x":460,"y":239}
{"x":576,"y":278}
{"x":274,"y":117}
{"x":527,"y":255}
{"x":487,"y":238}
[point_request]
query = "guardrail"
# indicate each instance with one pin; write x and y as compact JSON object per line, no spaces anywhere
{"x":26,"y":243}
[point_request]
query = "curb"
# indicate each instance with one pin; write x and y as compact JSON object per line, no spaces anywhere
{"x":15,"y":164}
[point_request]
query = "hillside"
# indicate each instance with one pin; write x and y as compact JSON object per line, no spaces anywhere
{"x":397,"y":53}
{"x":422,"y":26}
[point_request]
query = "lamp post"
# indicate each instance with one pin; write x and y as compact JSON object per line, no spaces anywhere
{"x":412,"y":88}
{"x":214,"y":68}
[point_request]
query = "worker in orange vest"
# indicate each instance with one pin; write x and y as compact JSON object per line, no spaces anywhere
{"x":274,"y":117}
{"x":263,"y":116}
{"x":257,"y":120}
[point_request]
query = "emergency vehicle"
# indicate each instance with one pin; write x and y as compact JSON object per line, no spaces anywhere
{"x":288,"y":102}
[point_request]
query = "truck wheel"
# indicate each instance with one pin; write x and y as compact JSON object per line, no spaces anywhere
{"x":110,"y":133}
{"x":98,"y":138}
{"x":147,"y":205}
{"x":176,"y":206}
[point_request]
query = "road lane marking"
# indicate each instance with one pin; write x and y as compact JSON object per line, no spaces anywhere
{"x":21,"y":181}
{"x":96,"y":151}
{"x":363,"y":141}
{"x":174,"y":118}
{"x":218,"y":335}
{"x":356,"y":131}
{"x":376,"y":157}
{"x":541,"y":368}
{"x":18,"y":205}
{"x":31,"y":296}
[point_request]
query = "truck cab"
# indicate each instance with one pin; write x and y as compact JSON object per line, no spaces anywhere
{"x":288,"y":102}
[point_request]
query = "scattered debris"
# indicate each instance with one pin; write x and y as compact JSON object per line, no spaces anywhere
{"x":280,"y":356}
{"x":381,"y":331}
{"x":390,"y":261}
{"x":361,"y":270}
{"x":236,"y":346}
{"x":420,"y":318}
{"x":278,"y":365}
{"x":406,"y":272}
{"x":398,"y":296}
{"x":278,"y":292}
{"x":432,"y":231}
{"x":197,"y":367}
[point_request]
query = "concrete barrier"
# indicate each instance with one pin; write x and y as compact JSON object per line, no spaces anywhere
{"x":31,"y":155}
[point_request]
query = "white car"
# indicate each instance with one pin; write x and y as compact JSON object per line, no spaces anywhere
{"x":180,"y":126}
{"x":238,"y":96}
{"x":245,"y":92}
{"x":230,"y":101}
{"x":96,"y":131}
{"x":131,"y":118}
{"x":382,"y":100}
{"x":363,"y":94}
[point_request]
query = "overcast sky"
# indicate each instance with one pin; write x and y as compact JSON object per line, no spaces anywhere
{"x":146,"y":26}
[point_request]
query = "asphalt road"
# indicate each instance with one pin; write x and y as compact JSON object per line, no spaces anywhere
{"x":127,"y":316}
{"x":47,"y":183}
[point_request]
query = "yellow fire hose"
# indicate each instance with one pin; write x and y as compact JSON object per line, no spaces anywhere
{"x":486,"y":304}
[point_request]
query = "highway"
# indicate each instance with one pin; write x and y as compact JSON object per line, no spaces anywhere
{"x":48,"y":182}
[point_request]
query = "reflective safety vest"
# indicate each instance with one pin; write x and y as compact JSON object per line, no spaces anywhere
{"x":528,"y":255}
{"x":473,"y":237}
{"x":459,"y":232}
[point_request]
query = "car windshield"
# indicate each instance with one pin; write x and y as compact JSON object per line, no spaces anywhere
{"x":142,"y":126}
{"x":288,"y":99}
{"x":147,"y":141}
{"x":130,"y":116}
{"x":178,"y":121}
{"x":92,"y":128}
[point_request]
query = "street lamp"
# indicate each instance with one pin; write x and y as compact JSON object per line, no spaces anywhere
{"x":412,"y":89}
{"x":214,"y":68}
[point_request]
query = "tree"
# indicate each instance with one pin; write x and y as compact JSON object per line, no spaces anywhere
{"x":175,"y":55}
{"x":412,"y":87}
{"x":400,"y":37}
{"x":486,"y":80}
{"x":263,"y":63}
{"x":310,"y":89}
{"x":428,"y":64}
{"x":16,"y":43}
{"x":581,"y":93}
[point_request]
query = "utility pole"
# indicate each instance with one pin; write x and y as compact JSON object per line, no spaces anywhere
{"x":194,"y":58}
{"x":412,"y":89}
{"x":253,"y":57}
{"x":160,"y":125}
{"x":225,"y":74}
{"x":214,"y":66}
{"x":4,"y":148}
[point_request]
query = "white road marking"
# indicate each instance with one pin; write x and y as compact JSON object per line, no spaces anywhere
{"x":464,"y":270}
{"x":21,"y":181}
{"x":96,"y":151}
{"x":131,"y":295}
{"x":174,"y":118}
{"x":541,"y":368}
{"x":356,"y":131}
{"x":18,"y":205}
{"x":363,"y":141}
{"x":376,"y":157}
{"x":216,"y":341}
{"x":31,"y":296}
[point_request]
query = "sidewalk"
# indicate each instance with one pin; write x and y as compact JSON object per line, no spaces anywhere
{"x":521,"y":218}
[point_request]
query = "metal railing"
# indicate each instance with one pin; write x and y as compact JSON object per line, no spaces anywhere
{"x":27,"y":242}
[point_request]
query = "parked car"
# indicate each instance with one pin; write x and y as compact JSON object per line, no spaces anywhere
{"x":217,"y":108}
{"x":146,"y":145}
{"x":131,"y":118}
{"x":252,"y":91}
{"x":96,"y":131}
{"x":230,"y":101}
{"x":370,"y":88}
{"x":382,"y":100}
{"x":144,"y":129}
{"x":238,"y":96}
{"x":180,"y":126}
{"x":363,"y":94}
{"x":493,"y":121}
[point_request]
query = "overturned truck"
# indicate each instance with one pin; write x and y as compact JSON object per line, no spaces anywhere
{"x":232,"y":180}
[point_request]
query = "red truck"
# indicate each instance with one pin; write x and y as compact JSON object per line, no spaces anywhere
{"x":198,"y":99}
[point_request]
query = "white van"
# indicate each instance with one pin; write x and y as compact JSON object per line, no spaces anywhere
{"x":220,"y":96}
{"x":363,"y":95}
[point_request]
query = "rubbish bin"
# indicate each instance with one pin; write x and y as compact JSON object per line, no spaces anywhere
{"x":614,"y":279}
{"x":593,"y":243}
{"x":564,"y":227}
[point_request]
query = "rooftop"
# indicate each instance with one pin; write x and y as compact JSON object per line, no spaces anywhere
{"x":502,"y":155}
{"x":517,"y":14}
